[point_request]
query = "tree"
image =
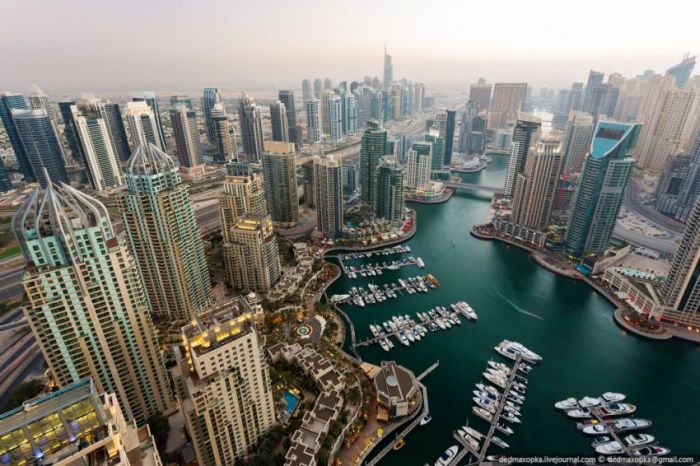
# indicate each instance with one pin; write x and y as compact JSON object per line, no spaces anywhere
{"x":160,"y":428}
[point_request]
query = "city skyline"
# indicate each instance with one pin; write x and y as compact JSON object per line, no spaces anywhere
{"x":551,"y":55}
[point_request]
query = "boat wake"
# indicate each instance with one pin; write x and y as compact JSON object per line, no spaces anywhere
{"x":516,"y":307}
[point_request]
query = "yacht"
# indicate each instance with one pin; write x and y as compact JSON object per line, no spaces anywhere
{"x":473,"y":432}
{"x":499,"y":366}
{"x":420,"y":263}
{"x":472,"y":442}
{"x":569,"y":403}
{"x":610,"y":448}
{"x":383,"y":343}
{"x":425,"y":419}
{"x":509,"y":353}
{"x":595,"y":429}
{"x":636,"y":440}
{"x":498,"y":442}
{"x":410,"y":336}
{"x":611,"y":396}
{"x":501,"y":426}
{"x":488,"y":388}
{"x":521,"y":349}
{"x":587,"y":402}
{"x":488,"y":405}
{"x":487,"y":395}
{"x":617,"y":409}
{"x":517,"y":399}
{"x":448,"y":456}
{"x":631,"y":424}
{"x":482,"y":413}
{"x":403,"y":339}
{"x":495,"y":380}
{"x":581,"y":413}
{"x":601,"y":440}
{"x":653,"y":450}
{"x":510,"y":417}
{"x":525,"y":368}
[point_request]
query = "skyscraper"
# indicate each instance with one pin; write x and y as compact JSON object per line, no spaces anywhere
{"x":253,"y":263}
{"x":466,"y":125}
{"x":250,"y":121}
{"x":536,"y":186}
{"x":224,"y":137}
{"x":388,"y":71}
{"x":221,"y":358}
{"x":417,"y":170}
{"x":508,"y":100}
{"x":328,"y":189}
{"x":150,"y":98}
{"x":141,"y":122}
{"x":164,"y":236}
{"x":210,"y":98}
{"x":38,"y":100}
{"x":595,"y":79}
{"x":306,"y":91}
{"x":9,"y":102}
{"x":350,"y":113}
{"x":606,"y":170}
{"x":278,"y":122}
{"x":286,"y":96}
{"x":96,"y":144}
{"x":113,"y":115}
{"x":335,"y":118}
{"x":656,"y":90}
{"x":437,"y":152}
{"x":575,"y":101}
{"x":241,"y":194}
{"x":313,"y":120}
{"x":186,"y":136}
{"x":390,"y":190}
{"x":86,"y":304}
{"x":318,"y":87}
{"x":40,"y":144}
{"x":372,"y":148}
{"x":524,"y":135}
{"x":5,"y":182}
{"x":279,"y":172}
{"x":577,"y":140}
{"x":480,"y":94}
{"x":682,"y":71}
{"x":307,"y":170}
{"x":445,"y":123}
{"x":70,"y":132}
{"x":324,"y":109}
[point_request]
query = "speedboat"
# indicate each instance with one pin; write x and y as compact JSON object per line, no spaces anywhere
{"x":488,"y":388}
{"x":617,"y":409}
{"x":498,"y":442}
{"x":515,"y":398}
{"x":601,"y":440}
{"x":509,"y":353}
{"x":501,"y":426}
{"x":569,"y":403}
{"x":631,"y":424}
{"x":611,"y":396}
{"x":498,"y":373}
{"x":595,"y":429}
{"x":581,"y":413}
{"x":499,"y":366}
{"x":472,"y":442}
{"x":510,"y":417}
{"x":487,"y":395}
{"x":473,"y":432}
{"x":495,"y":380}
{"x":587,"y":402}
{"x":448,"y":456}
{"x":653,"y":450}
{"x":525,"y":368}
{"x":426,"y":419}
{"x":610,"y":448}
{"x":482,"y":413}
{"x":486,"y":404}
{"x":522,"y":349}
{"x":635,"y":440}
{"x":383,"y":343}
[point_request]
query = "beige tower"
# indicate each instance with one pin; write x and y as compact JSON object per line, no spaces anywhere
{"x":253,"y":261}
{"x":242,"y":194}
{"x":536,"y":186}
{"x":508,"y":100}
{"x":223,"y":385}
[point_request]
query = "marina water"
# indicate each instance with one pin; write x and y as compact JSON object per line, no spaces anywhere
{"x":567,"y":323}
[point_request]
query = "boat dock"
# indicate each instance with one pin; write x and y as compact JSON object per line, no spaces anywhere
{"x":371,"y":270}
{"x":380,"y":293}
{"x":400,"y":249}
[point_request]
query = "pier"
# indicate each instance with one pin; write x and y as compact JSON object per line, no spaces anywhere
{"x":413,"y":285}
{"x":377,"y":268}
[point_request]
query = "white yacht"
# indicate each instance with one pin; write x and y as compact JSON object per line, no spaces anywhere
{"x":636,"y":440}
{"x":595,"y":429}
{"x":498,"y":442}
{"x":617,"y":409}
{"x":482,"y":413}
{"x":611,"y":396}
{"x":498,"y":381}
{"x":510,"y":417}
{"x":488,"y":388}
{"x":610,"y":448}
{"x":383,"y":343}
{"x":501,"y":426}
{"x":473,"y":432}
{"x":448,"y":456}
{"x":499,"y":366}
{"x":587,"y":401}
{"x":472,"y":442}
{"x":653,"y":450}
{"x":581,"y":413}
{"x":569,"y":403}
{"x":631,"y":424}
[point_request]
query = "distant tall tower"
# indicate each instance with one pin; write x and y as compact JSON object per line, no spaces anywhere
{"x":350,"y":113}
{"x":480,"y":94}
{"x":141,"y":122}
{"x":575,"y":98}
{"x":150,"y":98}
{"x":186,"y":136}
{"x":242,"y":194}
{"x":164,"y":236}
{"x":318,"y":87}
{"x":372,"y":148}
{"x":508,"y":100}
{"x":313,"y":120}
{"x":327,"y":84}
{"x":286,"y":96}
{"x":445,"y":123}
{"x":254,"y":263}
{"x":9,"y":102}
{"x":41,"y":144}
{"x":577,"y":140}
{"x":250,"y":121}
{"x":335,"y":118}
{"x":390,"y":190}
{"x":70,"y":131}
{"x":222,"y":358}
{"x":307,"y":92}
{"x":278,"y":121}
{"x":596,"y":205}
{"x":97,"y":146}
{"x":224,"y":137}
{"x":417,"y":170}
{"x":682,"y":70}
{"x":466,"y":126}
{"x":210,"y":98}
{"x":681,"y":290}
{"x":113,"y":115}
{"x":595,"y":79}
{"x":81,"y":275}
{"x":388,"y":71}
{"x":536,"y":186}
{"x":328,"y":189}
{"x":524,"y":135}
{"x":279,"y":173}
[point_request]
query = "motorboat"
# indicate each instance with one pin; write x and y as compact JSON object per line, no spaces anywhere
{"x":425,"y":419}
{"x":581,"y":413}
{"x":471,"y":441}
{"x":524,"y":368}
{"x":502,"y":427}
{"x":448,"y":456}
{"x":507,"y":352}
{"x":473,"y":432}
{"x":488,"y":388}
{"x":482,"y":413}
{"x":569,"y":403}
{"x":631,"y":424}
{"x":522,"y":349}
{"x":495,"y":380}
{"x":595,"y":429}
{"x":617,"y":409}
{"x":587,"y":401}
{"x":601,"y":440}
{"x":611,"y":396}
{"x":485,"y":404}
{"x":383,"y":343}
{"x":653,"y":450}
{"x":487,"y":395}
{"x":499,"y":366}
{"x":499,"y":442}
{"x":636,"y":440}
{"x":510,"y":417}
{"x":610,"y":448}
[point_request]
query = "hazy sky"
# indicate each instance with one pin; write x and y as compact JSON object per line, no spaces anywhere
{"x":129,"y":44}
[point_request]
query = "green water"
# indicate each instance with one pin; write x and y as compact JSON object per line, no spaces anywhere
{"x":584,"y":351}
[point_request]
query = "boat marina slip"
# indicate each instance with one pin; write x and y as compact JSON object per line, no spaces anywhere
{"x":378,"y":294}
{"x":563,"y":320}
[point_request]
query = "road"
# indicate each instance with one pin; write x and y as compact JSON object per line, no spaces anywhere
{"x":632,"y":201}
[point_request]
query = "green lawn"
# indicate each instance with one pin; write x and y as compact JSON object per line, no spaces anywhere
{"x":9,"y":252}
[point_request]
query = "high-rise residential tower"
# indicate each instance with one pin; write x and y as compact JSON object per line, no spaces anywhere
{"x":525,"y":134}
{"x":86,"y":306}
{"x":150,"y":98}
{"x":328,"y":189}
{"x":318,"y":87}
{"x":279,"y":172}
{"x":278,"y":122}
{"x":606,"y":170}
{"x":113,"y":115}
{"x":210,"y":98}
{"x":417,"y":170}
{"x":224,"y":137}
{"x":186,"y":134}
{"x":306,"y":91}
{"x":388,"y":71}
{"x":141,"y":122}
{"x":335,"y":118}
{"x":595,"y":79}
{"x":445,"y":123}
{"x":253,"y":262}
{"x":223,"y":385}
{"x":164,"y":236}
{"x":682,"y":71}
{"x":9,"y":102}
{"x":390,"y":203}
{"x":508,"y":100}
{"x":286,"y":96}
{"x":40,"y":144}
{"x":372,"y":148}
{"x":480,"y":94}
{"x":250,"y":121}
{"x":577,"y":140}
{"x":313,"y":120}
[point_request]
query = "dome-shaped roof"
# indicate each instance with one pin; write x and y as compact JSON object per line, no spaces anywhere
{"x":148,"y":160}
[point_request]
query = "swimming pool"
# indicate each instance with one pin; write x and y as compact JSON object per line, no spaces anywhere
{"x":291,"y":400}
